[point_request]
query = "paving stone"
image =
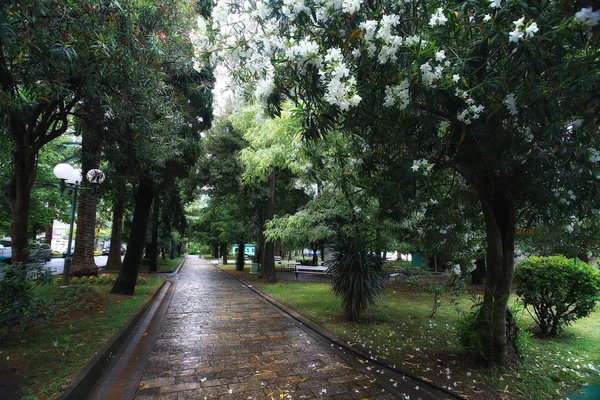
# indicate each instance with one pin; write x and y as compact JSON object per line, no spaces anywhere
{"x":219,"y":340}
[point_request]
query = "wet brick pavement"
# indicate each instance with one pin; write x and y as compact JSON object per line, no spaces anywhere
{"x":220,"y":340}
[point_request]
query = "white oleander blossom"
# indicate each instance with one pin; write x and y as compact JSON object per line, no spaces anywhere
{"x":340,"y":85}
{"x":531,"y":29}
{"x":472,"y":111}
{"x":495,"y":3}
{"x":397,"y":95}
{"x":200,"y":42}
{"x":351,"y":6}
{"x":587,"y":17}
{"x":264,"y":88}
{"x":438,"y":18}
{"x":511,"y":103}
{"x":422,"y":164}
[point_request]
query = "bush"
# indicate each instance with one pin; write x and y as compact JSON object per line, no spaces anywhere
{"x":560,"y":290}
{"x":356,"y":275}
{"x":18,"y":306}
{"x":475,"y":334}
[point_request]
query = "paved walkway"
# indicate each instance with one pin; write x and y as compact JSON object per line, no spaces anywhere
{"x":219,"y":340}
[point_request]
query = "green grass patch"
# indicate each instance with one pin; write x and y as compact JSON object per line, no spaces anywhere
{"x":165,"y":265}
{"x":83,"y":317}
{"x":400,"y":330}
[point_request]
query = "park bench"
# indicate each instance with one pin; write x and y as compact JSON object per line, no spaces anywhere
{"x":310,"y":269}
{"x":288,"y":265}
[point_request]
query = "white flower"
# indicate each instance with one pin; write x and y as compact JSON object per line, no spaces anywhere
{"x":587,"y":17}
{"x":487,"y":17}
{"x":531,"y":29}
{"x":438,"y":18}
{"x":264,"y":88}
{"x":511,"y":104}
{"x":456,"y":78}
{"x":351,"y":6}
{"x":515,"y":35}
{"x":495,"y":3}
{"x":369,"y":27}
{"x":440,"y":55}
{"x":519,"y":23}
{"x":399,"y":94}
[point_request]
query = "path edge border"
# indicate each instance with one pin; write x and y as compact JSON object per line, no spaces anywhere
{"x":333,"y":337}
{"x":87,"y":376}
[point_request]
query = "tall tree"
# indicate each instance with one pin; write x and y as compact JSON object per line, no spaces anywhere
{"x":503,"y":92}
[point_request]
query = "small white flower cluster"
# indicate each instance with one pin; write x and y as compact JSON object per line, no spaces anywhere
{"x":384,"y":31}
{"x":399,"y":94}
{"x":518,"y":34}
{"x":262,"y":10}
{"x":438,"y":18}
{"x":200,"y":42}
{"x":587,"y":17}
{"x":430,"y":74}
{"x":302,"y":51}
{"x":293,"y":8}
{"x":472,"y":111}
{"x":511,"y":103}
{"x":264,"y":88}
{"x":341,"y":87}
{"x":422,"y":164}
{"x":594,"y":155}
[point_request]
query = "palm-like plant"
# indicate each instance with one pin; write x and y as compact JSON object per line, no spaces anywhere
{"x":356,"y":274}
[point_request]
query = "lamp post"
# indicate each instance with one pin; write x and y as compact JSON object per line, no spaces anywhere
{"x":70,"y":179}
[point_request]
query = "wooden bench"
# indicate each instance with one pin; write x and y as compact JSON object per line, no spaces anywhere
{"x":288,"y":264}
{"x":310,"y":269}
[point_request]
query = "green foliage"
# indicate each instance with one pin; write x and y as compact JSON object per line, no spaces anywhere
{"x":410,"y":274}
{"x":18,"y":306}
{"x":474,"y":331}
{"x":558,"y":289}
{"x":356,"y":274}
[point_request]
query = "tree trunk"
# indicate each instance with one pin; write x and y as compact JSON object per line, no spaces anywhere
{"x":315,"y":258}
{"x":224,"y":252}
{"x":48,"y":233}
{"x":125,"y":283}
{"x":114,"y":255}
{"x":153,"y":267}
{"x":91,"y":144}
{"x":500,"y":222}
{"x":268,"y":266}
{"x":478,"y":274}
{"x":239,"y":263}
{"x":18,"y":195}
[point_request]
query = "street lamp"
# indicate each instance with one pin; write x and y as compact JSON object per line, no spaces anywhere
{"x":70,"y":179}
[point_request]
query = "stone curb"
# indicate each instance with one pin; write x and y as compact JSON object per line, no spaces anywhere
{"x":87,"y":376}
{"x":342,"y":344}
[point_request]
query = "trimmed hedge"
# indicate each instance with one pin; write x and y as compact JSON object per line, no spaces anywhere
{"x":558,"y":289}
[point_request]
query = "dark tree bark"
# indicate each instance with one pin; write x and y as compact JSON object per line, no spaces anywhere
{"x":91,"y":145}
{"x":18,"y":195}
{"x":239,"y":262}
{"x":478,"y":274}
{"x":153,"y":267}
{"x":500,"y":223}
{"x":315,"y":258}
{"x":48,"y":234}
{"x":114,"y":255}
{"x":125,"y":283}
{"x":224,"y":252}
{"x":268,"y":266}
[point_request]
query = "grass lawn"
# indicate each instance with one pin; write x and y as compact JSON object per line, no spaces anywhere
{"x":41,"y":362}
{"x":400,"y":330}
{"x":166,"y":265}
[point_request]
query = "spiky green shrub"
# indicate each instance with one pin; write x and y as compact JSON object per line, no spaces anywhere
{"x":558,"y":289}
{"x":356,"y":275}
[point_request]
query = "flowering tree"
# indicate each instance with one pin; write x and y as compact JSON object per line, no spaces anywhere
{"x":504,"y":92}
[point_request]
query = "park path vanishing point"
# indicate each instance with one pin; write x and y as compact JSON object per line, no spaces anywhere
{"x":217,"y":339}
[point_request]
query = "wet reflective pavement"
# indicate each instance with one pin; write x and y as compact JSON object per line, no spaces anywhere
{"x":219,"y":340}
